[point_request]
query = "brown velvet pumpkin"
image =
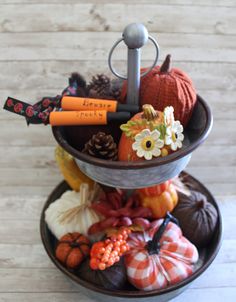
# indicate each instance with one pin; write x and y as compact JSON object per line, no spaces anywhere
{"x":72,"y":248}
{"x":165,"y":86}
{"x":197,"y":218}
{"x":113,"y":278}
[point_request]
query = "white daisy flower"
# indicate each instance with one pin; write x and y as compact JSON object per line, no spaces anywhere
{"x":148,"y":144}
{"x":169,"y":115}
{"x":174,"y":135}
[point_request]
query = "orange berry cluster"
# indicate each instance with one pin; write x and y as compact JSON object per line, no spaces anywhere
{"x":105,"y":253}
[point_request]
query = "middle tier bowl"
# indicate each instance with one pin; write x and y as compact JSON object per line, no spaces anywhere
{"x":131,"y":175}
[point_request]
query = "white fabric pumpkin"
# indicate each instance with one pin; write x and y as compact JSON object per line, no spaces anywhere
{"x":72,"y":213}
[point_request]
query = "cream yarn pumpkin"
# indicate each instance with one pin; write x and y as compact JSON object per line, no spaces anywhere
{"x":72,"y":213}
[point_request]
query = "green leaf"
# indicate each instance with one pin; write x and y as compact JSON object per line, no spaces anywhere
{"x":140,"y":122}
{"x":128,"y":134}
{"x":162,"y":129}
{"x":124,"y":127}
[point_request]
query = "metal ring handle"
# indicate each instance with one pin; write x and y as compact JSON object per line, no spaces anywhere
{"x":156,"y":58}
{"x":144,"y":73}
{"x":109,"y":61}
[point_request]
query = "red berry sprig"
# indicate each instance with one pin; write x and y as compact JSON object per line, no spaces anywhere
{"x":105,"y":253}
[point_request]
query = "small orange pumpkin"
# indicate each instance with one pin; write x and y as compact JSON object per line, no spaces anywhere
{"x":148,"y":119}
{"x":159,"y":204}
{"x":72,"y":248}
{"x":155,"y":190}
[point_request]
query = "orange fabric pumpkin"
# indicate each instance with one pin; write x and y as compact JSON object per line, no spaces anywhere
{"x":165,"y":86}
{"x":147,"y":119}
{"x":72,"y":248}
{"x":160,"y":256}
{"x":159,"y":204}
{"x":155,"y":190}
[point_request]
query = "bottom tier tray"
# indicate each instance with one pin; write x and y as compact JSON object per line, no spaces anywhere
{"x":207,"y":255}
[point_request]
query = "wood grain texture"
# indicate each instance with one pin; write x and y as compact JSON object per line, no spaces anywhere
{"x":52,"y":75}
{"x":94,"y":46}
{"x":113,"y":17}
{"x":18,"y":278}
{"x":24,"y":256}
{"x":39,"y":279}
{"x":203,"y":295}
{"x":41,"y":43}
{"x":226,"y":3}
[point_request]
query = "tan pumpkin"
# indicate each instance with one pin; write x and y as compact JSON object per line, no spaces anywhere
{"x":69,"y":169}
{"x":160,"y":204}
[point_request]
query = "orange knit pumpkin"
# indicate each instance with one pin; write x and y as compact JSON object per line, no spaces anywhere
{"x":164,"y":86}
{"x":160,"y":204}
{"x":72,"y":248}
{"x":147,"y":119}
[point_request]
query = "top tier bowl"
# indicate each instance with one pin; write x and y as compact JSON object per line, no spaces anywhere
{"x":131,"y":175}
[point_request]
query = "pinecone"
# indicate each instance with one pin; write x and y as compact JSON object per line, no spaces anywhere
{"x":115,"y":89}
{"x":99,"y":87}
{"x":101,"y":145}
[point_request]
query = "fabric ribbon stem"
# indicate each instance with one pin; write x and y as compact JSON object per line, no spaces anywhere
{"x":153,"y":245}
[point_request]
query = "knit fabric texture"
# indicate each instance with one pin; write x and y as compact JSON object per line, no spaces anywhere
{"x":173,"y":88}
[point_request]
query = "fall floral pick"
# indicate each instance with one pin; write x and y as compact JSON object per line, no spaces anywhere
{"x":149,"y":138}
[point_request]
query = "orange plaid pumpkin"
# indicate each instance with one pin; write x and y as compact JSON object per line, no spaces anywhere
{"x":160,"y":256}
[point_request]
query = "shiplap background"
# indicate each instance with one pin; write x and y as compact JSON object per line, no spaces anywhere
{"x":41,"y":43}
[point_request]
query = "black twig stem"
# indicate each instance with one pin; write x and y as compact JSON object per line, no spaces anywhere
{"x":153,"y":246}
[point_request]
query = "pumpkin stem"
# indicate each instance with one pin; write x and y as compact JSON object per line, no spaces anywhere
{"x":72,"y":243}
{"x":201,"y":204}
{"x":149,"y":113}
{"x":153,"y":246}
{"x":165,"y":67}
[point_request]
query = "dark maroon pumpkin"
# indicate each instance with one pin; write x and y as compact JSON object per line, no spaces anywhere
{"x":113,"y":278}
{"x":197,"y":218}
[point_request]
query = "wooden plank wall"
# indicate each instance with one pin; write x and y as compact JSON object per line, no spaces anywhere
{"x":41,"y":43}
